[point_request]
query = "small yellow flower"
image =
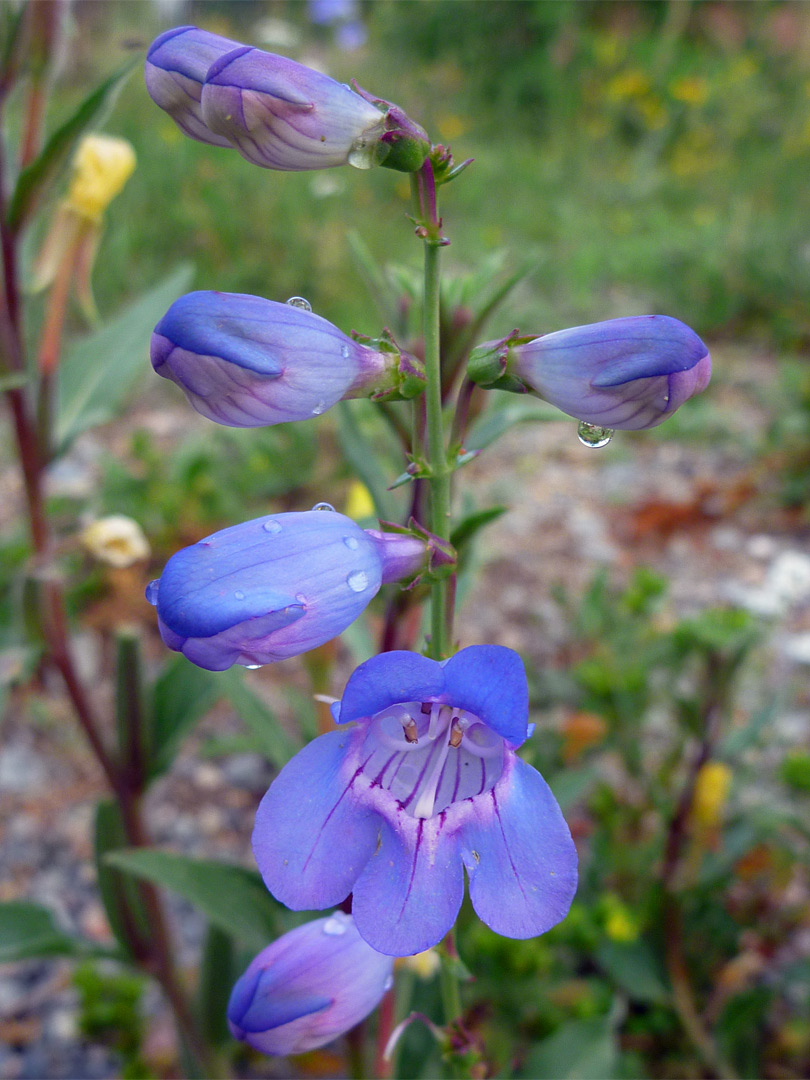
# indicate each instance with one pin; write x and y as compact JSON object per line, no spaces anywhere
{"x":424,"y":964}
{"x":101,"y":167}
{"x":711,"y":793}
{"x":691,"y":90}
{"x":359,"y":503}
{"x":620,"y":925}
{"x":116,"y":540}
{"x":627,"y":85}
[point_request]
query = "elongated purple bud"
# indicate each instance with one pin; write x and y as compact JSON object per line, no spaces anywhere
{"x":310,"y":986}
{"x":176,"y":65}
{"x":627,"y":373}
{"x":249,"y":362}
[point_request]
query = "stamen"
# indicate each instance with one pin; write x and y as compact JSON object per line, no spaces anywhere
{"x":427,"y":799}
{"x":456,"y":733}
{"x":411,"y":731}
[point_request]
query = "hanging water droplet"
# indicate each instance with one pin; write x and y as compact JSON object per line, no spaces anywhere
{"x":358,"y":581}
{"x":151,"y":592}
{"x":351,"y":542}
{"x":336,"y":924}
{"x":300,"y":302}
{"x":344,"y":352}
{"x":319,"y":408}
{"x":239,"y":595}
{"x":389,"y":982}
{"x":251,"y":667}
{"x":271,"y":526}
{"x":593,"y":436}
{"x":324,"y":506}
{"x":361,"y":155}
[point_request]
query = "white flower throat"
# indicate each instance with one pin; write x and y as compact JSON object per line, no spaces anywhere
{"x":429,"y":755}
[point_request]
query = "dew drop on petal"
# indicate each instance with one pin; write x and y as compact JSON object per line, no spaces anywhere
{"x":324,"y":506}
{"x":336,"y":925}
{"x":300,"y":598}
{"x":389,"y":982}
{"x":593,"y":436}
{"x":271,"y":526}
{"x":239,"y":595}
{"x":351,"y":542}
{"x":319,"y":408}
{"x":251,"y":667}
{"x":151,"y":592}
{"x":300,"y":302}
{"x":344,"y":352}
{"x":358,"y":581}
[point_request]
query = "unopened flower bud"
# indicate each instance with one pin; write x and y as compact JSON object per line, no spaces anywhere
{"x":249,"y":362}
{"x":276,"y":586}
{"x":310,"y":986}
{"x":101,"y":167}
{"x":282,"y":115}
{"x":624,"y":373}
{"x":116,"y":540}
{"x":176,"y":65}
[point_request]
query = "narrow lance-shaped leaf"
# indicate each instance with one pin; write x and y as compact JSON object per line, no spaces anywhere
{"x":234,"y":899}
{"x":181,"y":695}
{"x":28,"y":930}
{"x":123,"y":904}
{"x":35,"y":179}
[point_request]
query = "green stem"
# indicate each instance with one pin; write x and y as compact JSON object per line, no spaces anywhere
{"x":440,"y":474}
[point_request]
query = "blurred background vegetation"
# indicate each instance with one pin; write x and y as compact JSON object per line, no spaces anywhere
{"x":650,"y":157}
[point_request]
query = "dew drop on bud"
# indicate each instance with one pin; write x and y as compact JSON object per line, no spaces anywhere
{"x":358,"y":581}
{"x":350,"y":542}
{"x":593,"y":436}
{"x":389,"y":982}
{"x":324,"y":506}
{"x":319,"y":408}
{"x":271,"y":526}
{"x":151,"y":592}
{"x":251,"y":667}
{"x":300,"y":302}
{"x":361,"y":154}
{"x":336,"y":925}
{"x":344,"y":352}
{"x":239,"y":595}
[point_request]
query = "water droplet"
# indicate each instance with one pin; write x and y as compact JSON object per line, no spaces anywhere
{"x":344,"y":352}
{"x":324,"y":506}
{"x":271,"y":526}
{"x":300,"y":598}
{"x":594,"y":436}
{"x":351,"y":542}
{"x":251,"y":667}
{"x":358,"y":581}
{"x":151,"y":592}
{"x":361,"y":155}
{"x":319,"y":408}
{"x":239,"y":595}
{"x":300,"y":302}
{"x":389,"y":982}
{"x":337,"y":924}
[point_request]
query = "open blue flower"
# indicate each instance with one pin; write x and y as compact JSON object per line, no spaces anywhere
{"x":307,"y":988}
{"x":424,"y":784}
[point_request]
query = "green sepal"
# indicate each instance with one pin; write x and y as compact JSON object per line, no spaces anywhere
{"x":488,"y":365}
{"x":409,"y":377}
{"x":442,"y":558}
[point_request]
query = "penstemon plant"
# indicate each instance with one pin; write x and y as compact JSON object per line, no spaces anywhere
{"x":415,"y":779}
{"x":420,"y":779}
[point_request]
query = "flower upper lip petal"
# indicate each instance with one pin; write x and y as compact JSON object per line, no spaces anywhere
{"x":389,"y":679}
{"x":490,"y":681}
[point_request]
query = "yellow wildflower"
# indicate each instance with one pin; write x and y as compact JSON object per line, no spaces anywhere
{"x":359,"y":503}
{"x":101,"y":167}
{"x":691,"y":90}
{"x":711,"y":793}
{"x":116,"y":540}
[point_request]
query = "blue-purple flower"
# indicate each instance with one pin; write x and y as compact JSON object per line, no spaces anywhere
{"x":308,"y":987}
{"x":176,"y":65}
{"x":247,"y":362}
{"x":276,"y":586}
{"x":424,"y":784}
{"x":627,"y":373}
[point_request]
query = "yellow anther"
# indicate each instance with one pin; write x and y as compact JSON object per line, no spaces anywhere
{"x":456,"y":733}
{"x":411,"y":732}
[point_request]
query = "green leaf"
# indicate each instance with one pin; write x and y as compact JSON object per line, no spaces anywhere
{"x":466,"y":529}
{"x":33,"y":180}
{"x":633,"y":966}
{"x":13,"y":380}
{"x":579,"y":1050}
{"x":28,"y":930}
{"x":498,"y":419}
{"x":97,"y":372}
{"x":231,"y":897}
{"x":122,"y":901}
{"x":275,"y":743}
{"x":181,"y":694}
{"x":218,"y":972}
